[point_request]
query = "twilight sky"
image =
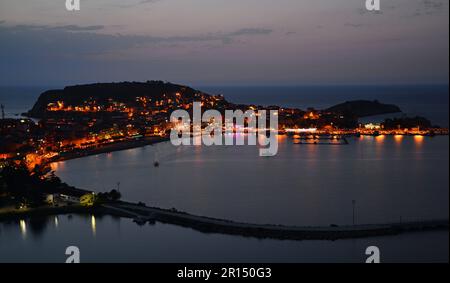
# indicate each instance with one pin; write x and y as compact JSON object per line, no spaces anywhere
{"x":224,"y":42}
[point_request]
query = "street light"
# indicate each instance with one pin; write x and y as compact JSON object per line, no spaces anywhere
{"x":353,"y":206}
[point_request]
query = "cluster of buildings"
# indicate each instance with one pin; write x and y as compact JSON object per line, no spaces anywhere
{"x":91,"y":124}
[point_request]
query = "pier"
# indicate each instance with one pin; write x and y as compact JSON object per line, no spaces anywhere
{"x":203,"y":224}
{"x":320,"y":139}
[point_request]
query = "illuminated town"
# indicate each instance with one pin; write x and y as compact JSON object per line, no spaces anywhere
{"x":66,"y":129}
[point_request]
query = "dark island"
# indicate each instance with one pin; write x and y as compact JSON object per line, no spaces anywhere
{"x":364,"y":108}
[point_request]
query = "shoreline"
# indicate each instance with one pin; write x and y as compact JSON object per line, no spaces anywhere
{"x":113,"y":147}
{"x":49,"y":211}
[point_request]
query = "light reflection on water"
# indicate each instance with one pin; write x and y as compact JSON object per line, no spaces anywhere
{"x":418,"y":140}
{"x":398,"y":139}
{"x":93,"y":225}
{"x":23,"y":228}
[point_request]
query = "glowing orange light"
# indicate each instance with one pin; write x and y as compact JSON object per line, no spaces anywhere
{"x":380,"y":138}
{"x":418,"y":139}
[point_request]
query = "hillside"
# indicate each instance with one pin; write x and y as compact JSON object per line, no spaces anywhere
{"x":101,"y":93}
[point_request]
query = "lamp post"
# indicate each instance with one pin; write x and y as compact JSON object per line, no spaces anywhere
{"x":353,"y":206}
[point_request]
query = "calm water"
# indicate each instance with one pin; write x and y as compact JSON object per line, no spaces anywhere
{"x":18,"y":100}
{"x":110,"y":239}
{"x":391,"y":178}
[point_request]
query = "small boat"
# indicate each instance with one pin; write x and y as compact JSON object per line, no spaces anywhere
{"x":156,"y":158}
{"x":140,"y":220}
{"x":264,"y":154}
